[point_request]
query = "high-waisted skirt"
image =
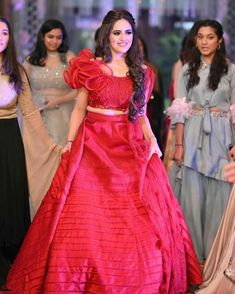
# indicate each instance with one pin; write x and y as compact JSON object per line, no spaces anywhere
{"x":109,"y":222}
{"x":14,"y":196}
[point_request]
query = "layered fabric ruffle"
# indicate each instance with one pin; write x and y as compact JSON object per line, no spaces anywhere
{"x":85,"y":71}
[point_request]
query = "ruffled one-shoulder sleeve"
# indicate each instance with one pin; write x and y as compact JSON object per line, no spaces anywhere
{"x":85,"y":71}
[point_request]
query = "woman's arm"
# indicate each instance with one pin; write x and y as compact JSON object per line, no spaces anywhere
{"x":77,"y":116}
{"x":179,"y":111}
{"x":179,"y":145}
{"x":27,"y":67}
{"x":175,"y":75}
{"x":149,"y":136}
{"x":52,"y":103}
{"x":143,"y":119}
{"x":229,"y":172}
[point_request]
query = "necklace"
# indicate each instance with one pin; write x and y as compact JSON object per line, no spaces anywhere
{"x":53,"y":54}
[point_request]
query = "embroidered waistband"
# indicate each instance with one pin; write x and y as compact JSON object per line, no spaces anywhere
{"x":212,"y":113}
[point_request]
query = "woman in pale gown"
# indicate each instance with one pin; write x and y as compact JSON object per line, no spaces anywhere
{"x":45,"y":67}
{"x":219,"y":271}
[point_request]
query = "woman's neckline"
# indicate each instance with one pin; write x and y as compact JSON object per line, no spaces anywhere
{"x":120,"y":77}
{"x":53,"y":55}
{"x":204,"y":61}
{"x":46,"y":67}
{"x":112,"y":74}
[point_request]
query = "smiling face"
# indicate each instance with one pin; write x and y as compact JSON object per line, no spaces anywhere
{"x":53,"y":39}
{"x":4,"y":36}
{"x":121,"y":37}
{"x":207,"y":42}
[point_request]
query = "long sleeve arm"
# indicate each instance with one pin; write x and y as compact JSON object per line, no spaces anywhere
{"x":42,"y":154}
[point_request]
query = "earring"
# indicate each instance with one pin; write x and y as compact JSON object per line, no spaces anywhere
{"x":218,"y":48}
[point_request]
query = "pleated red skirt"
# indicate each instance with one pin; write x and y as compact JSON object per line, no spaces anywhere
{"x":109,"y":222}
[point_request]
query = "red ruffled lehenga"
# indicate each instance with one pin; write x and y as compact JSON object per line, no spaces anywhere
{"x":109,"y":222}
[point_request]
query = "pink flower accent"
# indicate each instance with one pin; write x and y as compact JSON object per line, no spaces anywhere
{"x":180,"y":107}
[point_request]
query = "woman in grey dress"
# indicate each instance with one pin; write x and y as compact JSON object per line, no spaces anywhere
{"x":203,"y":114}
{"x":45,"y":67}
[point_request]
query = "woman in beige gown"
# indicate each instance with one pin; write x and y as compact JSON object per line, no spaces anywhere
{"x":219,"y":270}
{"x":45,"y":67}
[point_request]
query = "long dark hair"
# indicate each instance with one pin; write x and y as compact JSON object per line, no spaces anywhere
{"x":39,"y":54}
{"x":219,"y":65}
{"x":133,"y":57}
{"x":188,"y":43}
{"x":10,"y":64}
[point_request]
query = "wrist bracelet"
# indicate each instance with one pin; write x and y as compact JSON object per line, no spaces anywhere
{"x":179,"y":145}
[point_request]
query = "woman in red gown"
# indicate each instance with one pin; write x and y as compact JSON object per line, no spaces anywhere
{"x":109,"y":222}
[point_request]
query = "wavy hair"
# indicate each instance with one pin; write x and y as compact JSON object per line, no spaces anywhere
{"x":219,"y":65}
{"x":188,"y":43}
{"x":39,"y":54}
{"x":133,"y":57}
{"x":10,"y":64}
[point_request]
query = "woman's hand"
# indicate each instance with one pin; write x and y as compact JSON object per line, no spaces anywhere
{"x":179,"y":154}
{"x":67,"y":146}
{"x":229,"y":172}
{"x":231,"y":154}
{"x":149,"y":136}
{"x":51,"y":104}
{"x":154,"y":148}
